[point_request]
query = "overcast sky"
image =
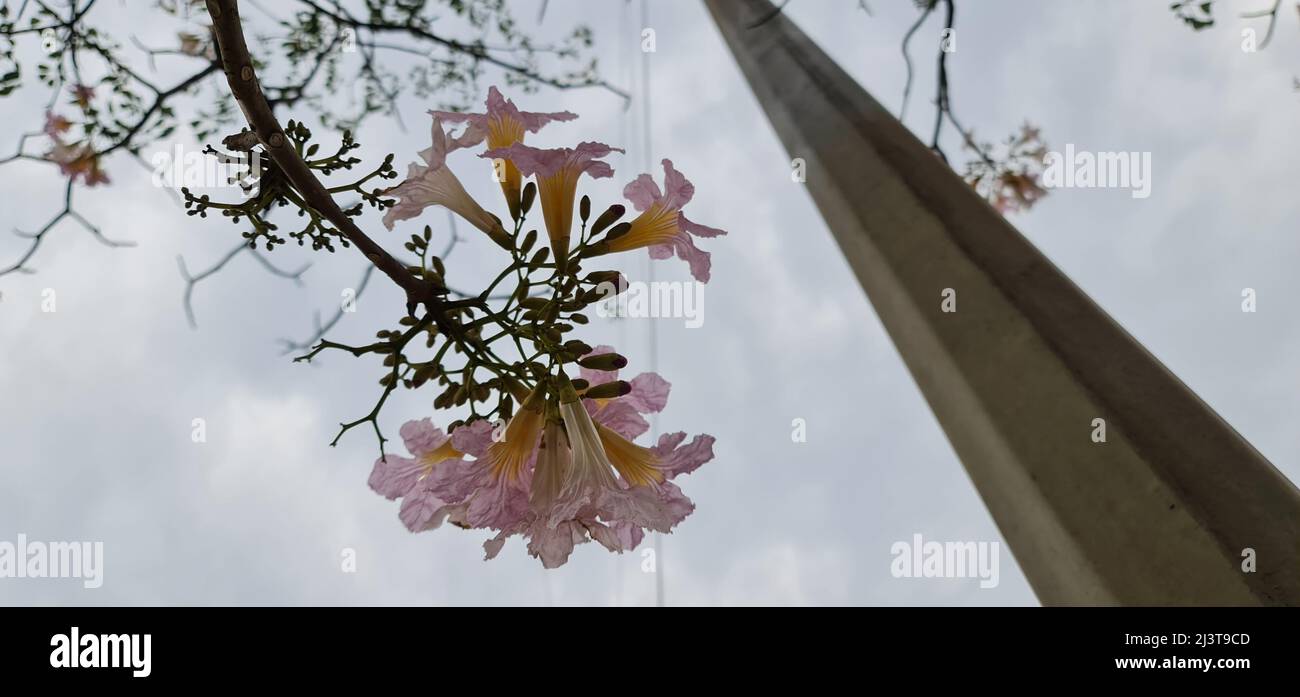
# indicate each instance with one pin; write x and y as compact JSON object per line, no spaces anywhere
{"x":98,"y":397}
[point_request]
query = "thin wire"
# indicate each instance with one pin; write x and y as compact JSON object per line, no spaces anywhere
{"x":627,"y":71}
{"x":646,"y":149}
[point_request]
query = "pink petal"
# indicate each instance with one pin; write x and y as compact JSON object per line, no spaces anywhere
{"x":422,"y":510}
{"x":422,"y":436}
{"x":534,"y":121}
{"x":498,"y":106}
{"x":657,"y":508}
{"x":661,"y":251}
{"x":456,"y":116}
{"x":678,"y":191}
{"x":697,"y":258}
{"x":473,"y":439}
{"x":473,"y":134}
{"x":618,"y":537}
{"x":604,"y":535}
{"x":642,"y":192}
{"x":697,"y":229}
{"x":498,"y":505}
{"x":649,"y":393}
{"x":629,"y":536}
{"x":436,"y":155}
{"x":394,"y":476}
{"x":492,"y":547}
{"x":546,"y":162}
{"x":584,"y":157}
{"x":455,"y":481}
{"x":553,"y":546}
{"x":496,"y":102}
{"x":622,"y":417}
{"x":675,"y":459}
{"x":410,"y":202}
{"x":530,"y":161}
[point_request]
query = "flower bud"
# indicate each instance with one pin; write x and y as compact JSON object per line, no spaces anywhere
{"x":599,"y":277}
{"x":611,"y":214}
{"x":539,"y":258}
{"x":595,"y":249}
{"x":568,"y":395}
{"x":603,"y":361}
{"x":618,"y":231}
{"x":608,"y":390}
{"x":577,"y":346}
{"x":530,"y":193}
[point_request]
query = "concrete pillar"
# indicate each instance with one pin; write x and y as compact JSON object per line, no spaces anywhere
{"x":1163,"y":510}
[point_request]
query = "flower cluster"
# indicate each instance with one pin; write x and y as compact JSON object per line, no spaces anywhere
{"x":1010,"y":180}
{"x":563,"y":467}
{"x":557,"y":474}
{"x":77,"y":160}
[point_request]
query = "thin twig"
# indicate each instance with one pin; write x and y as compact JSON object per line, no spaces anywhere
{"x":192,"y":280}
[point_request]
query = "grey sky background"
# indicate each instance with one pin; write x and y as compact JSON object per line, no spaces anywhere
{"x":98,"y":397}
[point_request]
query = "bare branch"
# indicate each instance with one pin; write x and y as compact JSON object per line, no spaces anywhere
{"x":192,"y":280}
{"x":478,"y":53}
{"x":37,"y":237}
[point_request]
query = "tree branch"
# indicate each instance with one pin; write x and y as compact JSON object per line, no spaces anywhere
{"x":242,"y":77}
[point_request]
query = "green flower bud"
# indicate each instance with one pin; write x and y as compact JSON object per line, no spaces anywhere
{"x":611,"y":214}
{"x":530,"y":193}
{"x":599,"y":277}
{"x":603,"y":361}
{"x":539,"y":258}
{"x":594,"y":250}
{"x":568,"y":395}
{"x":609,"y":390}
{"x":577,"y":346}
{"x":618,"y":231}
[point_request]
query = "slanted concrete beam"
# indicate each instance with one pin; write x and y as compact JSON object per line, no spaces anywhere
{"x":1159,"y":513}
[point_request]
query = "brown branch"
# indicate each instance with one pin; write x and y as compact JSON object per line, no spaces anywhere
{"x":242,"y":77}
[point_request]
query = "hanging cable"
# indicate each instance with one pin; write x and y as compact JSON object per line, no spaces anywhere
{"x":646,"y":148}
